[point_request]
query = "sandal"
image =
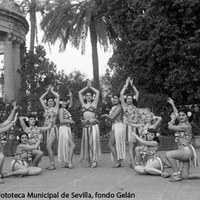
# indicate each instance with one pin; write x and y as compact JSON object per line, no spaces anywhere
{"x":4,"y":175}
{"x":116,"y":165}
{"x":176,"y":178}
{"x":65,"y":165}
{"x":94,"y":164}
{"x":165,"y":175}
{"x":70,"y":166}
{"x":51,"y":167}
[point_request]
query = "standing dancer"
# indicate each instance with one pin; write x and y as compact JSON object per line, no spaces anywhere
{"x":130,"y":116}
{"x":33,"y":132}
{"x":185,"y":153}
{"x":90,"y":147}
{"x":116,"y":142}
{"x":51,"y":112}
{"x":65,"y":143}
{"x":5,"y":126}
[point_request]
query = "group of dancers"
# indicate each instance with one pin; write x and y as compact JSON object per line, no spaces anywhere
{"x":129,"y":126}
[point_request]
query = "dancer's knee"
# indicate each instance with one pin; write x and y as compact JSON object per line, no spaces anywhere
{"x":110,"y":145}
{"x":2,"y":156}
{"x":24,"y":172}
{"x":168,"y":155}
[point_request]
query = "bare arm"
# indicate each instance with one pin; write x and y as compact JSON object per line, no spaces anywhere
{"x":9,"y":126}
{"x":136,"y":93}
{"x":22,"y":123}
{"x":96,"y":99}
{"x":57,"y":98}
{"x":42,"y":98}
{"x":171,"y":101}
{"x":62,"y":120}
{"x":182,"y":127}
{"x":122,"y":93}
{"x":10,"y":117}
{"x":112,"y":117}
{"x":80,"y":94}
{"x":155,"y":125}
{"x":45,"y":128}
{"x":27,"y":147}
{"x":147,"y":143}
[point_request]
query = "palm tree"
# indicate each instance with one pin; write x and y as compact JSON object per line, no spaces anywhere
{"x":31,"y":7}
{"x":71,"y":21}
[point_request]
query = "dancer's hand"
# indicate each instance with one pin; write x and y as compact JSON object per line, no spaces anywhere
{"x":170,"y":101}
{"x":70,"y":93}
{"x":173,"y":117}
{"x":89,"y":83}
{"x":15,"y":105}
{"x":127,"y":82}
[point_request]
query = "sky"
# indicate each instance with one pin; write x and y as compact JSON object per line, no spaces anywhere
{"x":71,"y":59}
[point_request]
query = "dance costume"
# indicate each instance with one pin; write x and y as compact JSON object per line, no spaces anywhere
{"x":64,"y":135}
{"x":50,"y":117}
{"x":22,"y":157}
{"x":130,"y":116}
{"x":183,"y":140}
{"x":90,"y":145}
{"x":149,"y":154}
{"x":118,"y":131}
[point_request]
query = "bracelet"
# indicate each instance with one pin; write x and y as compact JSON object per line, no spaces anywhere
{"x":13,"y":123}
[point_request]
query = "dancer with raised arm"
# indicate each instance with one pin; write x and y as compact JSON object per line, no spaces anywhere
{"x":33,"y":132}
{"x":5,"y":126}
{"x":90,"y":146}
{"x":130,"y":116}
{"x":117,"y":139}
{"x":51,"y":113}
{"x":23,"y":155}
{"x":65,"y":143}
{"x":152,"y":162}
{"x":185,"y":153}
{"x":150,"y":122}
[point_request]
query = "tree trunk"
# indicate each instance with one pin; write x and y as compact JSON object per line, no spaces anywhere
{"x":33,"y":26}
{"x":95,"y":61}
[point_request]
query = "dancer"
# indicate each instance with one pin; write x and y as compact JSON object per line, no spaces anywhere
{"x":150,"y":122}
{"x":23,"y":155}
{"x":65,"y":143}
{"x":117,"y":137}
{"x":33,"y":132}
{"x":185,"y":153}
{"x":90,"y":147}
{"x":152,"y":162}
{"x":5,"y":126}
{"x":131,"y":115}
{"x":51,"y":112}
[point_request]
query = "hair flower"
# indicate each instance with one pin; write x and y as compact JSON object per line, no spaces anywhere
{"x":189,"y":113}
{"x":157,"y":134}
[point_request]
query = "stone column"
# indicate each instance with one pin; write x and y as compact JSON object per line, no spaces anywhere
{"x":16,"y":67}
{"x":9,"y":77}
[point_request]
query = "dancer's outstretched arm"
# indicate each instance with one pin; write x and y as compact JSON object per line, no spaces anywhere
{"x":135,"y":90}
{"x":57,"y":98}
{"x":10,"y":125}
{"x":42,"y":98}
{"x":147,"y":143}
{"x":122,"y":93}
{"x":11,"y":116}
